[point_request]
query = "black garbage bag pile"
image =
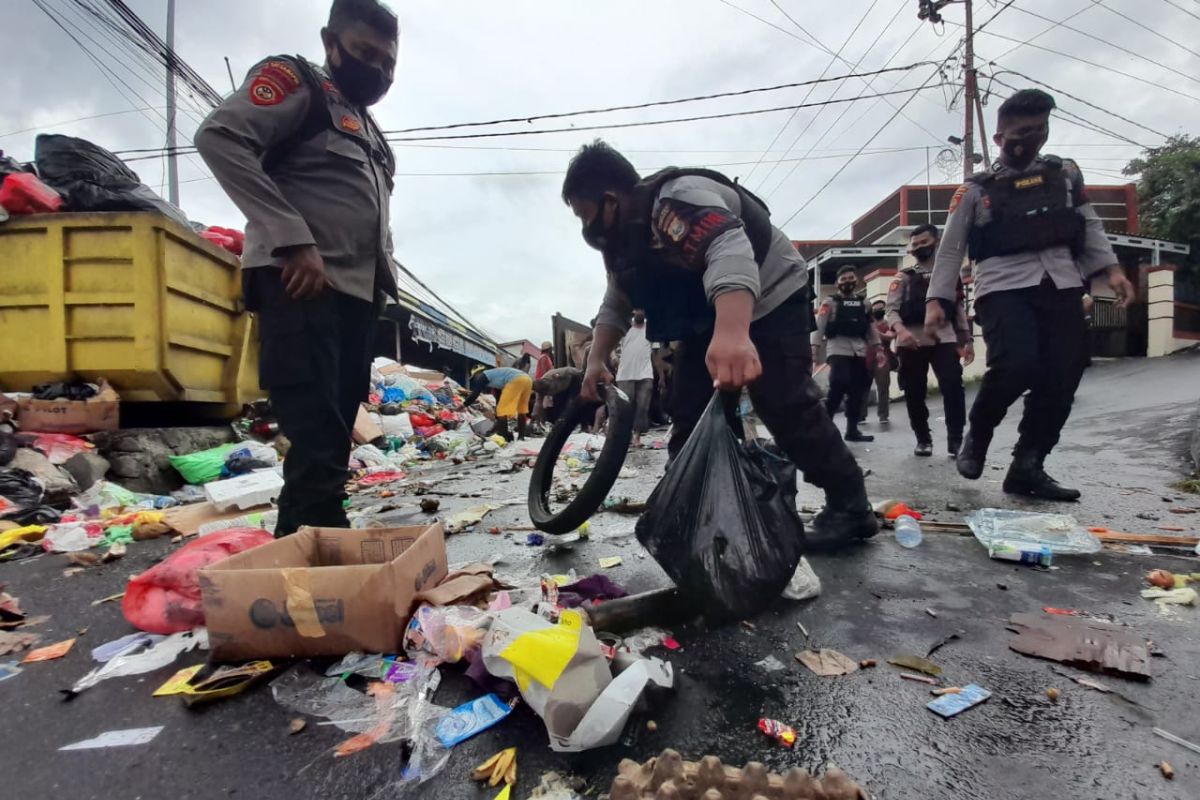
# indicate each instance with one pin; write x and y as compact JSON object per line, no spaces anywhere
{"x":723,"y":523}
{"x":91,"y":178}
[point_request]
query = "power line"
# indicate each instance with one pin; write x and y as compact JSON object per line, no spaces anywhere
{"x":866,"y":144}
{"x":1181,"y":8}
{"x":1074,"y":118}
{"x":782,"y":30}
{"x":1029,"y":43}
{"x":1068,"y":18}
{"x":81,"y":119}
{"x":653,"y":104}
{"x":1112,"y":44}
{"x":833,"y":60}
{"x":1145,"y":27}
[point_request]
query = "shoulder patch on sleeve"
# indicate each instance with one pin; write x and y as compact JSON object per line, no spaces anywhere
{"x":691,"y":228}
{"x":895,"y":285}
{"x":958,"y":196}
{"x":282,"y":72}
{"x":272,"y":82}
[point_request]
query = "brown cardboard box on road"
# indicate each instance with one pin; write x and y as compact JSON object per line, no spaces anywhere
{"x":366,"y":429}
{"x":321,"y":592}
{"x":100,"y":413}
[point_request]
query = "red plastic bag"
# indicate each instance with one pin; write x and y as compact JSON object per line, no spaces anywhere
{"x":428,"y":431}
{"x":59,"y":447}
{"x":166,"y":597}
{"x":420,"y":419}
{"x":24,"y":193}
{"x":237,"y":239}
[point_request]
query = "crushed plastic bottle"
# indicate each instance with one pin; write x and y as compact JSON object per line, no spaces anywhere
{"x":908,"y":531}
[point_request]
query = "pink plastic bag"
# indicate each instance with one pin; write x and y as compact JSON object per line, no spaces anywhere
{"x":59,"y":447}
{"x":166,"y":597}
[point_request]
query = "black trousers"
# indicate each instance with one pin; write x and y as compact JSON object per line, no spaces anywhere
{"x":1036,"y":341}
{"x":315,"y":365}
{"x":849,"y":380}
{"x":785,"y":397}
{"x":914,"y":377}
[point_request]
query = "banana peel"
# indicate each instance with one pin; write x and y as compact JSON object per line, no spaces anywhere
{"x":500,"y":767}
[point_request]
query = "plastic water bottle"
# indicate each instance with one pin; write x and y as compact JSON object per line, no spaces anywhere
{"x":908,"y":531}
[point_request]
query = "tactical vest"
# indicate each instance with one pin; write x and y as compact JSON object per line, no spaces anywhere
{"x":673,"y":296}
{"x":1031,"y":211}
{"x":318,"y":119}
{"x":849,"y":318}
{"x":912,"y":298}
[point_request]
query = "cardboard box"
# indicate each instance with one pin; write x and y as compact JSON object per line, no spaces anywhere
{"x":100,"y":413}
{"x":321,"y":592}
{"x":366,"y":429}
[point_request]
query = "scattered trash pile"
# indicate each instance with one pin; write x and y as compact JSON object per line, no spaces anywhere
{"x":669,"y":777}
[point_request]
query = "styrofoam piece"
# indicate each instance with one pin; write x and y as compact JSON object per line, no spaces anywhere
{"x":669,"y":777}
{"x":245,"y":491}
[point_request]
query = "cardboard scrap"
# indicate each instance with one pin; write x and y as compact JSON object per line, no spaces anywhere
{"x":456,"y":523}
{"x":186,"y":520}
{"x":461,"y":587}
{"x":48,"y":653}
{"x":15,"y":642}
{"x":1081,"y":642}
{"x":827,"y":663}
{"x":916,"y":663}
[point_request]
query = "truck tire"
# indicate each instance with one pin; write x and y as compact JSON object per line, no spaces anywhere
{"x":603,"y":476}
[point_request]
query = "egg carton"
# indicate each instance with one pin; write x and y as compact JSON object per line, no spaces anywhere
{"x":669,"y":777}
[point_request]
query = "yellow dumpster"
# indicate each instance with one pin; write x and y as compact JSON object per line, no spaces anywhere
{"x":132,"y":297}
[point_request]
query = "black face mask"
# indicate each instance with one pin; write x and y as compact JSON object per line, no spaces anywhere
{"x":877,"y":313}
{"x":361,"y":83}
{"x":1020,"y":151}
{"x":924,"y":253}
{"x":639,"y":321}
{"x":594,"y":233}
{"x":846,"y":288}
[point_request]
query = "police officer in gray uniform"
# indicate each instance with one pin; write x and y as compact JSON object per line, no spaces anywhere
{"x":297,"y":151}
{"x":699,"y":254}
{"x":849,"y":334}
{"x":1035,"y":241}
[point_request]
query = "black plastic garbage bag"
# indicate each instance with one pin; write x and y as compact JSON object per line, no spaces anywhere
{"x":20,"y":488}
{"x":723,"y":522}
{"x":91,"y":178}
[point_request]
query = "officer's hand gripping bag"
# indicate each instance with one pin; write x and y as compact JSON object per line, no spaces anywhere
{"x":723,"y":523}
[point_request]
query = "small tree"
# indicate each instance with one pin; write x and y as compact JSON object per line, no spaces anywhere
{"x":1169,"y":189}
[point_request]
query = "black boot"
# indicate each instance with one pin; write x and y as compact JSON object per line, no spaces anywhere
{"x":1026,"y":477}
{"x":924,"y":447}
{"x":846,"y":518}
{"x":853,"y":434}
{"x":954,"y":444}
{"x":973,"y":453}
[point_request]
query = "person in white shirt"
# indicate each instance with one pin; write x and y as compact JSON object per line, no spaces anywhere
{"x":635,"y":373}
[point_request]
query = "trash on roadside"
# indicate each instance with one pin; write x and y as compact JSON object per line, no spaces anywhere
{"x":1167,"y":770}
{"x":320,"y":591}
{"x":945,"y":690}
{"x":500,"y":767}
{"x":590,"y":590}
{"x":1161,"y":578}
{"x":203,"y":466}
{"x":940,"y":643}
{"x":203,"y":683}
{"x":610,"y":562}
{"x":1165,"y":598}
{"x":141,"y":655}
{"x":49,"y":652}
{"x":128,"y":737}
{"x":535,"y":540}
{"x":910,"y":676}
{"x":951,"y":704}
{"x":9,"y":670}
{"x":72,"y":537}
{"x":56,"y":412}
{"x":916,"y":663}
{"x":296,"y":725}
{"x":456,"y":523}
{"x":16,"y":642}
{"x":471,"y":718}
{"x":721,"y":506}
{"x":804,"y":585}
{"x":1022,"y":553}
{"x":1081,"y":642}
{"x":770,"y":664}
{"x":894,"y":509}
{"x":642,"y":640}
{"x":1053,"y":694}
{"x":430,"y":504}
{"x":245,"y":491}
{"x":784,"y":734}
{"x":167,"y":597}
{"x":445,"y":635}
{"x":1170,"y":737}
{"x":827,"y":663}
{"x":1025,"y":529}
{"x":639,"y":781}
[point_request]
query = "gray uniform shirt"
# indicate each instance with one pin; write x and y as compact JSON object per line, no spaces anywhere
{"x":729,"y":263}
{"x":855,"y":346}
{"x":1019,"y":270}
{"x":957,"y":330}
{"x":331,"y":190}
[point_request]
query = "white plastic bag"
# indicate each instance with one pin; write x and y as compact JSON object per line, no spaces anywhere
{"x":804,"y":584}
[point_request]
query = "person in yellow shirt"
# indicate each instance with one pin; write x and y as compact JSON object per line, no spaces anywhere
{"x":515,"y":387}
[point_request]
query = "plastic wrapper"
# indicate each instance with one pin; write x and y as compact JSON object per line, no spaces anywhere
{"x":203,"y":466}
{"x":723,"y":523}
{"x":804,"y":584}
{"x":445,"y":634}
{"x":106,"y":497}
{"x":166,"y":597}
{"x":1059,"y":532}
{"x":370,"y":456}
{"x":139,"y":656}
{"x":60,"y":447}
{"x":471,"y":718}
{"x":72,"y":537}
{"x":91,"y":178}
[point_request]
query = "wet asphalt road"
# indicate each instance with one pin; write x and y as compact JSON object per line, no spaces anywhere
{"x":1123,"y":447}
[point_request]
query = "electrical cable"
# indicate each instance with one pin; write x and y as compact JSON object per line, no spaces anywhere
{"x":1071,"y":117}
{"x":782,"y":30}
{"x":1145,"y":27}
{"x":1067,"y":18}
{"x":1065,"y":93}
{"x":652,"y":104}
{"x":1181,"y":8}
{"x":60,"y":123}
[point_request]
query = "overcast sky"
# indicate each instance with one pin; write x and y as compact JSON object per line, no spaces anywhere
{"x":502,"y":248}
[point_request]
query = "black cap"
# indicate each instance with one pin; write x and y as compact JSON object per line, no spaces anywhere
{"x":1026,"y":103}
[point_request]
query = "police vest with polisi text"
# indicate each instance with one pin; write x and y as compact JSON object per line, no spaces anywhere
{"x":672,"y":294}
{"x":1031,"y":211}
{"x":848,"y":318}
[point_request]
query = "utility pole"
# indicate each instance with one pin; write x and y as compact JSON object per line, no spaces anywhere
{"x":970,"y":90}
{"x":172,"y":163}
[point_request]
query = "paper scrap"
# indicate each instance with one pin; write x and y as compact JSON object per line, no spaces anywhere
{"x":610,"y":562}
{"x":48,"y":653}
{"x":916,"y":663}
{"x":178,"y":682}
{"x":951,"y":704}
{"x":122,"y":738}
{"x":607,"y":716}
{"x":827,"y":663}
{"x":459,"y":522}
{"x":13,"y":642}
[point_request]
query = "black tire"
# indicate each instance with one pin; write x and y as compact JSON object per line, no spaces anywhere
{"x":603,"y":476}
